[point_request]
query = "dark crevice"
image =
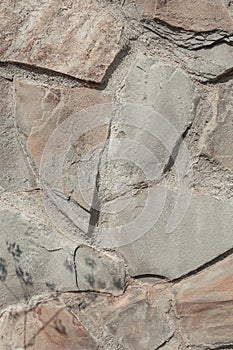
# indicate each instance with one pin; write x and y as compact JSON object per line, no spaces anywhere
{"x":164,"y":343}
{"x":222,"y":78}
{"x":114,"y":65}
{"x":75,"y":267}
{"x":205,"y":266}
{"x":175,"y":150}
{"x":96,"y":201}
{"x":9,"y":66}
{"x":150,"y":275}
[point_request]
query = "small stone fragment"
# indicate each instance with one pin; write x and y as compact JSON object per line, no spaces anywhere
{"x":99,"y":271}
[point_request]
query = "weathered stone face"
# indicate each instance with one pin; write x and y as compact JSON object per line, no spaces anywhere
{"x":198,"y":15}
{"x":204,"y":305}
{"x":40,"y":109}
{"x":116,"y":174}
{"x":77,"y":38}
{"x":57,"y":329}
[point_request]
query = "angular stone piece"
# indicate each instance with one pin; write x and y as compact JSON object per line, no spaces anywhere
{"x":40,"y":109}
{"x":15,"y":173}
{"x":204,"y":233}
{"x":219,"y":133}
{"x":99,"y":271}
{"x":34,"y":258}
{"x":44,"y":326}
{"x":204,"y":305}
{"x":82,"y":39}
{"x":211,"y":63}
{"x":201,"y":15}
{"x":150,"y":321}
{"x":130,"y":321}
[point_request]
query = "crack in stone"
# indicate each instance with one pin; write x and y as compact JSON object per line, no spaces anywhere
{"x":96,"y":202}
{"x":175,"y":150}
{"x":204,"y":266}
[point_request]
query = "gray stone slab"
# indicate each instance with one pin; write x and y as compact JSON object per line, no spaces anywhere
{"x":15,"y":173}
{"x":204,"y":233}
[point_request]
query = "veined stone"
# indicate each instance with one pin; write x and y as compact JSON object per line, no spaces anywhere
{"x":204,"y":305}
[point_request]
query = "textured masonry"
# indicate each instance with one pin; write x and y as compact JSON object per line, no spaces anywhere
{"x":116,"y":175}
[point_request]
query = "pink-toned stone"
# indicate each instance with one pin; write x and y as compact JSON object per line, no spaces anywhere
{"x":39,"y":110}
{"x":131,"y":321}
{"x":46,"y":326}
{"x":201,"y":15}
{"x":77,"y":38}
{"x":204,"y":304}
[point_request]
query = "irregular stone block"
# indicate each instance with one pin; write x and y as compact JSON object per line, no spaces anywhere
{"x":39,"y":110}
{"x":82,"y":39}
{"x":47,"y":325}
{"x":130,"y":321}
{"x":99,"y":271}
{"x":190,"y":15}
{"x":204,"y":305}
{"x":211,"y":63}
{"x":15,"y":173}
{"x":195,"y":241}
{"x":34,"y":258}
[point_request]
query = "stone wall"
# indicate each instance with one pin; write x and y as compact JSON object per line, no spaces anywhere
{"x":116,"y":174}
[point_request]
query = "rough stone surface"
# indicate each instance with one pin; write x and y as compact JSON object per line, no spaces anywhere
{"x":210,"y":64}
{"x":15,"y":171}
{"x":40,"y":109}
{"x":194,"y":242}
{"x":44,"y":326}
{"x":131,"y":321}
{"x":99,"y":271}
{"x":190,"y":15}
{"x":34,"y":257}
{"x":81,"y":40}
{"x":116,"y":174}
{"x":204,"y":306}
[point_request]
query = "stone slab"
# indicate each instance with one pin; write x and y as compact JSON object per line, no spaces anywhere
{"x":204,"y":306}
{"x":189,"y":15}
{"x":204,"y":233}
{"x":47,"y":325}
{"x":82,"y":39}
